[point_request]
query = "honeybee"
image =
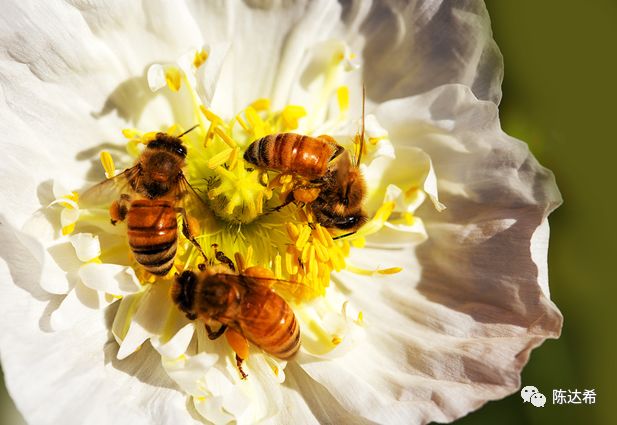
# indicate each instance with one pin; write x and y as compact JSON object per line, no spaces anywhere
{"x":149,"y":196}
{"x":293,"y":153}
{"x":330,"y":182}
{"x":245,"y":304}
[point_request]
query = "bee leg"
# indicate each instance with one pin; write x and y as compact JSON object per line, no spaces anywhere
{"x":186,"y":231}
{"x":239,"y":361}
{"x":223,"y":258}
{"x":240,"y":345}
{"x":212,"y":335}
{"x":119,"y":209}
{"x":191,"y":316}
{"x":290,"y":198}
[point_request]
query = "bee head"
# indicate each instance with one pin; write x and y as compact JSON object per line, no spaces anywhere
{"x":183,"y":290}
{"x":351,"y":222}
{"x":169,"y":143}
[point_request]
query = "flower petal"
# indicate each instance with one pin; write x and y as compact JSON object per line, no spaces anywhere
{"x":87,"y":246}
{"x":415,"y":47}
{"x":472,"y":302}
{"x":109,"y":278}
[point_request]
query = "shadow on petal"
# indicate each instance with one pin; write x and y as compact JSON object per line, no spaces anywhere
{"x":320,"y":401}
{"x":478,"y":261}
{"x":144,"y":364}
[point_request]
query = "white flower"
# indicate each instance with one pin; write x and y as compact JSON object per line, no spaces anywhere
{"x":449,"y":332}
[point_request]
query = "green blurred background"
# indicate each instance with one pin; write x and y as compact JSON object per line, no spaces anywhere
{"x":560,"y":96}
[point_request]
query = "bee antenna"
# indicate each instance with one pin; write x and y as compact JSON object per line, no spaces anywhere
{"x":189,"y":130}
{"x":362,"y":133}
{"x":343,"y":236}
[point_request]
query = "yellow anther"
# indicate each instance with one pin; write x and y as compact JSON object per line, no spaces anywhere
{"x":225,"y":137}
{"x":255,"y":121}
{"x":409,"y":218}
{"x":303,"y":237}
{"x":243,"y":124}
{"x":210,"y":116}
{"x":233,"y":159}
{"x":275,"y":370}
{"x":262,"y":104}
{"x":338,"y":262}
{"x":108,"y":164}
{"x":290,"y":115}
{"x":249,"y":256}
{"x":305,"y":254}
{"x":130,"y":133}
{"x":391,"y":270}
{"x":374,"y":140}
{"x":360,"y":319}
{"x":66,"y":230}
{"x":148,"y":137}
{"x":411,"y":192}
{"x":240,"y":263}
{"x":342,"y":95}
{"x":220,"y":158}
{"x":336,"y":340}
{"x":260,"y":202}
{"x":173,"y":78}
{"x":278,"y":269}
{"x":311,"y":263}
{"x":73,"y":196}
{"x":359,"y":242}
{"x":292,"y":231}
{"x":321,"y":251}
{"x":368,"y":272}
{"x":200,"y":58}
{"x":289,"y":262}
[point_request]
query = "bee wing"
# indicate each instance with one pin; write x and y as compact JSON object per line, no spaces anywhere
{"x":194,"y":206}
{"x":104,"y":193}
{"x":288,"y":290}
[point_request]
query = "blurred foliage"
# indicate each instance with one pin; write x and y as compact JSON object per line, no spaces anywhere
{"x":560,"y":93}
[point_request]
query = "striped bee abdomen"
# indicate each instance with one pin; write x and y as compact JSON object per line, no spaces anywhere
{"x":270,"y":323}
{"x":153,"y":234}
{"x":293,"y":153}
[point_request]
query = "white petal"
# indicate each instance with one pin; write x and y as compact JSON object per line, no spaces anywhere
{"x":176,"y":339}
{"x":79,"y":302}
{"x":183,"y":370}
{"x":109,"y":278}
{"x":87,"y":246}
{"x":414,"y":47}
{"x":471,"y":303}
{"x":156,"y":77}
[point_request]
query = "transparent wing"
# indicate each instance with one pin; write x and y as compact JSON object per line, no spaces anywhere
{"x":104,"y":193}
{"x":288,"y":290}
{"x":194,"y":209}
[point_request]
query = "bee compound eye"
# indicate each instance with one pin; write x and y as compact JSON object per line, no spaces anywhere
{"x":181,"y":150}
{"x":186,"y":281}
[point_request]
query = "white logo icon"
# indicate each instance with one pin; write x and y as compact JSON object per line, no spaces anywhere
{"x":527,"y":392}
{"x":538,"y":400}
{"x":531,"y":394}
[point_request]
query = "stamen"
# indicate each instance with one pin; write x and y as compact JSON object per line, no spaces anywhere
{"x":368,"y":272}
{"x":291,"y":115}
{"x":200,"y":58}
{"x":342,"y":95}
{"x":173,"y":78}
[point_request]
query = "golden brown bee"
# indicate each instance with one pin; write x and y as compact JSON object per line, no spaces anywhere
{"x":292,"y":153}
{"x":331,"y":182}
{"x":149,"y":196}
{"x":246,"y":306}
